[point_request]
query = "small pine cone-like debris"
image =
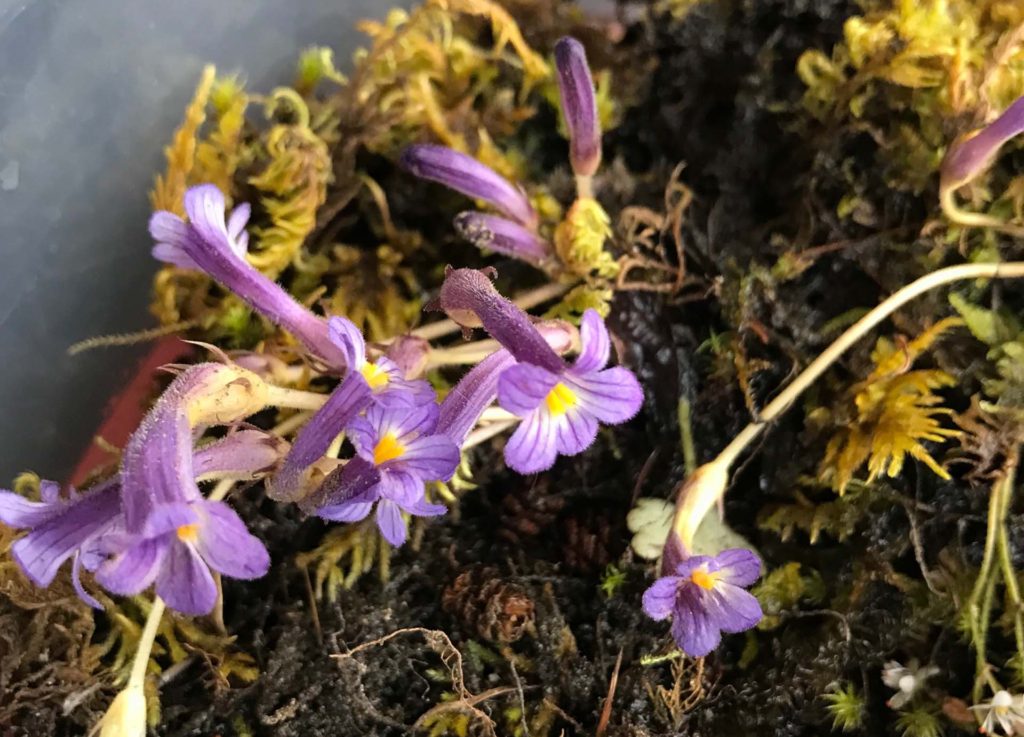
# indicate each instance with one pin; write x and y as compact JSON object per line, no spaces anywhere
{"x":587,"y":543}
{"x":493,"y":607}
{"x":527,"y":511}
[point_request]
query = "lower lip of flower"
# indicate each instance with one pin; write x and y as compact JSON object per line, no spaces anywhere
{"x":375,"y":376}
{"x":703,"y":579}
{"x":387,"y":449}
{"x":560,"y":399}
{"x":188,"y":533}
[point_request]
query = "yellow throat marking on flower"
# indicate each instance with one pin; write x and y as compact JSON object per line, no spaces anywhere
{"x":188,"y":533}
{"x":560,"y":399}
{"x":387,"y":449}
{"x":703,"y":579}
{"x":375,"y":376}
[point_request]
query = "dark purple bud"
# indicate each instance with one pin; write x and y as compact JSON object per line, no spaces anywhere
{"x":470,"y":299}
{"x":467,"y":175}
{"x":576,"y":87}
{"x":502,"y":236}
{"x":971,"y":154}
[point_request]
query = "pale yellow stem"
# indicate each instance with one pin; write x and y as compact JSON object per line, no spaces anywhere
{"x":145,"y":646}
{"x":281,"y":396}
{"x":704,"y":488}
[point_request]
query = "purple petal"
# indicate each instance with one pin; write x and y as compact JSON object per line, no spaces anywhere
{"x":575,"y":431}
{"x":969,"y":155}
{"x":134,"y":568}
{"x":532,"y":447}
{"x":659,"y":600}
{"x":244,"y":455}
{"x":356,"y":481}
{"x":167,"y":518}
{"x":693,"y":629}
{"x":185,"y":581}
{"x":205,"y":205}
{"x":524,"y":387}
{"x":465,"y":174}
{"x":346,"y":511}
{"x":578,"y":106}
{"x":42,"y":551}
{"x":430,"y":457}
{"x":423,"y":508}
{"x":401,"y":487}
{"x":738,"y":566}
{"x":172,"y":237}
{"x":349,"y":340}
{"x":226,"y":544}
{"x":363,"y":437}
{"x":390,"y":521}
{"x":236,"y":226}
{"x":595,"y":345}
{"x":410,"y":355}
{"x":502,"y":236}
{"x":732,"y":608}
{"x":612,"y":395}
{"x":18,"y":512}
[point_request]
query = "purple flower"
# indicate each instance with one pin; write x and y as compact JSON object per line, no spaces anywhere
{"x":465,"y":174}
{"x":397,"y":453}
{"x":502,"y":236}
{"x":70,"y":527}
{"x":384,"y":377}
{"x":183,"y":543}
{"x":59,"y":529}
{"x":298,"y":474}
{"x":706,"y":597}
{"x":576,"y":88}
{"x":561,"y":409}
{"x":208,"y":243}
{"x":972,"y":153}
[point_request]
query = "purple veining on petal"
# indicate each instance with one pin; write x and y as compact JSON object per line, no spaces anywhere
{"x":576,"y":88}
{"x":465,"y":174}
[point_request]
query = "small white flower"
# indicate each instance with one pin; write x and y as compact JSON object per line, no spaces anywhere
{"x":1005,"y":710}
{"x":907,"y":680}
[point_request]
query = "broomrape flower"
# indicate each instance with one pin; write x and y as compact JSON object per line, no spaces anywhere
{"x":70,"y":527}
{"x":576,"y":89}
{"x":705,"y":597}
{"x":397,"y":452}
{"x":907,"y":680}
{"x":502,"y":236}
{"x":468,"y":176}
{"x":972,"y":153}
{"x":560,"y":405}
{"x":217,"y":247}
{"x":1004,"y":710}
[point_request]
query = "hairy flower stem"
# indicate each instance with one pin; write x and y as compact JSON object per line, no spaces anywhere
{"x":702,"y":490}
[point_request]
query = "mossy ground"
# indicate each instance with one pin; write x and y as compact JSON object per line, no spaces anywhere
{"x":716,"y":90}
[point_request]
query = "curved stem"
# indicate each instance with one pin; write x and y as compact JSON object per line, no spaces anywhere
{"x":857,"y":331}
{"x":707,"y":485}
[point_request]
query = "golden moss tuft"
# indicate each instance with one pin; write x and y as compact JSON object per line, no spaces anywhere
{"x":895,"y":411}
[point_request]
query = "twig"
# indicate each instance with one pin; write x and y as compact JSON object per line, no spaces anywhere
{"x":606,"y":711}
